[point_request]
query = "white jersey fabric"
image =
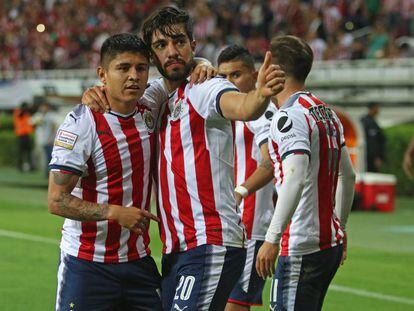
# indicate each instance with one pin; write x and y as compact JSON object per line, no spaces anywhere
{"x":113,"y":156}
{"x":196,"y":170}
{"x":306,"y":125}
{"x":257,"y":209}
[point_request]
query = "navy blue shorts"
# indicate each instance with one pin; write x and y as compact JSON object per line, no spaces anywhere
{"x":301,"y":282}
{"x":200,"y":278}
{"x":249,"y":287}
{"x":85,"y":286}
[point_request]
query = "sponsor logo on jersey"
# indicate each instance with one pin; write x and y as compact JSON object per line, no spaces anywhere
{"x":284,"y":124}
{"x":269,"y":115}
{"x":288,"y":136}
{"x":149,"y":120}
{"x":66,"y":139}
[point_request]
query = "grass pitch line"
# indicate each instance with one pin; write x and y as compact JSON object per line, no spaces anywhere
{"x":365,"y":293}
{"x":27,"y":237}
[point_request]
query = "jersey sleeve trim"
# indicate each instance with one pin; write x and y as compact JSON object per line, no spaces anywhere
{"x":218,"y":108}
{"x":65,"y":168}
{"x":296,"y":151}
{"x":264,"y":141}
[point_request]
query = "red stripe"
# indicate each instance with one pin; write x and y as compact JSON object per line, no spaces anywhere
{"x":133,"y":140}
{"x":114,"y":184}
{"x":250,"y":165}
{"x":285,"y":241}
{"x":325,"y":207}
{"x":334,"y":169}
{"x":180,"y":185}
{"x":89,"y":228}
{"x":204,"y":178}
{"x":147,"y":206}
{"x":163,"y":188}
{"x":304,"y":103}
{"x":286,"y":233}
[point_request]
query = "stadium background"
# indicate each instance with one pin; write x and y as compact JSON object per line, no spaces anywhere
{"x":363,"y":50}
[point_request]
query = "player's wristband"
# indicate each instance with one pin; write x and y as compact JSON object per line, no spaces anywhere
{"x":242,"y":191}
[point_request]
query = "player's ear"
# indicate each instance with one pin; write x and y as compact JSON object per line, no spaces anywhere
{"x":193,"y":45}
{"x":100,"y":71}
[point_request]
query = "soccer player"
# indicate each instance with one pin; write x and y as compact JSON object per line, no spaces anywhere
{"x":251,"y":159}
{"x":315,"y":184}
{"x":100,"y":182}
{"x":201,"y":228}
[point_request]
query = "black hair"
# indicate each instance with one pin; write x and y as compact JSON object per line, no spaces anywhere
{"x":120,"y":43}
{"x":164,"y":20}
{"x":234,"y":53}
{"x":293,"y":55}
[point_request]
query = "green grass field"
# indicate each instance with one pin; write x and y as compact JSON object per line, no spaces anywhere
{"x":378,"y":274}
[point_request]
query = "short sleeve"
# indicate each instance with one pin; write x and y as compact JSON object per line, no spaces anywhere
{"x":205,"y":97}
{"x":290,"y":131}
{"x":261,"y":127}
{"x":73,"y":143}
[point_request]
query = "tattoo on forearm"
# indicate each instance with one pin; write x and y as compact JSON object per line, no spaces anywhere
{"x":77,"y":209}
{"x":61,"y":179}
{"x":267,"y":164}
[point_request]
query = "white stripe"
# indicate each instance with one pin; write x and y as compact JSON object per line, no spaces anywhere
{"x":369,"y":294}
{"x":215,"y":256}
{"x":250,"y":260}
{"x":27,"y":237}
{"x":60,"y":278}
{"x":292,"y":280}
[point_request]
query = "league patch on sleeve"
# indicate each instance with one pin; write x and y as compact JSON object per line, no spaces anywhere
{"x":284,"y":124}
{"x":66,"y":139}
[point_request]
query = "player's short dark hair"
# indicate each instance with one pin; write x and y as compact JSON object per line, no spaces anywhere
{"x":121,"y":43}
{"x":164,"y":20}
{"x":234,"y":53}
{"x":293,"y":55}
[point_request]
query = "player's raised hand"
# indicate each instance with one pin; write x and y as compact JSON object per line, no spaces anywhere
{"x":271,"y":79}
{"x":95,"y":98}
{"x":201,"y":73}
{"x":265,"y":260}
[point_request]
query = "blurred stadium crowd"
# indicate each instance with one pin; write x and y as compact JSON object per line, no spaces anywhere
{"x":57,"y":34}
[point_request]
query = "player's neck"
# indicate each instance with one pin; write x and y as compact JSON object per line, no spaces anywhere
{"x":124,"y":108}
{"x":291,"y":87}
{"x":172,"y":85}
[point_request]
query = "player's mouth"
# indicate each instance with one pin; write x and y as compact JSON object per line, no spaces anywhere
{"x":174,"y":64}
{"x":132,"y":87}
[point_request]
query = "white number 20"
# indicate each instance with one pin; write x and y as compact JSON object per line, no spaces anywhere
{"x":185,"y":284}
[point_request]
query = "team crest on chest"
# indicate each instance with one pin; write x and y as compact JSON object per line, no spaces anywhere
{"x":149,"y":120}
{"x":178,"y":108}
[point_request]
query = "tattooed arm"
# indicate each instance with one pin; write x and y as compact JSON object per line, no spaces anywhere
{"x":61,"y":202}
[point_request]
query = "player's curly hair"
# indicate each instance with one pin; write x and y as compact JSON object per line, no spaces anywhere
{"x":120,"y":43}
{"x":234,"y":53}
{"x":293,"y":55}
{"x":165,"y":20}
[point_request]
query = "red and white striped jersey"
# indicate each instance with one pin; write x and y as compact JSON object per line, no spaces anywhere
{"x":113,"y":154}
{"x":257,"y":209}
{"x":306,"y":125}
{"x":196,"y":170}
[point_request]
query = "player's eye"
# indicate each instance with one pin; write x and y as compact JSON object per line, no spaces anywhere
{"x":159,"y":45}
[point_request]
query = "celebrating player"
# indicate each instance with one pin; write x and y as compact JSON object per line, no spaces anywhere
{"x":203,"y":240}
{"x":315,"y":184}
{"x":100,"y":182}
{"x":251,"y":160}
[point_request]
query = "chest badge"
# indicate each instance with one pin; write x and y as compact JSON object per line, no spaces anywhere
{"x":149,"y":120}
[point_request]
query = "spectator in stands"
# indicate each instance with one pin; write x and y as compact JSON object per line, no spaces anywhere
{"x":408,"y":160}
{"x":23,"y":129}
{"x":374,"y":139}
